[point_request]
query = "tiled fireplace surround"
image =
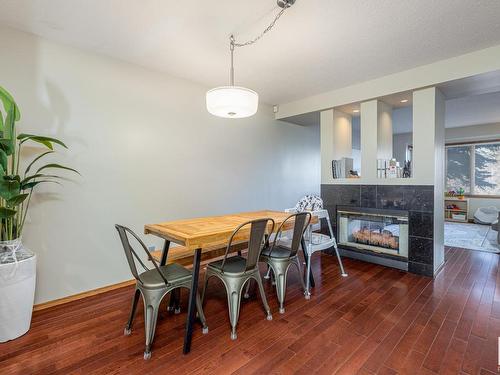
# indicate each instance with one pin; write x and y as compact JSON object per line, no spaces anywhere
{"x":418,"y":200}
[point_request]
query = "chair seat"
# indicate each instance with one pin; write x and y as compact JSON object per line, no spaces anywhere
{"x":279,"y":252}
{"x":174,"y":273}
{"x":233,"y":265}
{"x":319,"y":241}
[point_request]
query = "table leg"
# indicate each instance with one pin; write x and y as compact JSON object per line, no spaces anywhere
{"x":311,"y":277}
{"x":164,"y":253}
{"x":192,"y":302}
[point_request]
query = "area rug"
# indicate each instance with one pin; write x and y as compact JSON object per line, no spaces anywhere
{"x":471,"y":236}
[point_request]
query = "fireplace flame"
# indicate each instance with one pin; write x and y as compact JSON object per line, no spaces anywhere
{"x":383,"y":238}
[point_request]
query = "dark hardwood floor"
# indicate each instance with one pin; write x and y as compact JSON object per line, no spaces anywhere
{"x":378,"y":320}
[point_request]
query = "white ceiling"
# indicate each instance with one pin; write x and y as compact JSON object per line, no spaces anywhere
{"x":316,"y":46}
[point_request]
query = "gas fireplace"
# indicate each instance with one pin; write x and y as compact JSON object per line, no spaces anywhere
{"x":373,"y":230}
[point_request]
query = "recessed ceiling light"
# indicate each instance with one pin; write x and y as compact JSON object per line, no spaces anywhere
{"x":404,"y":101}
{"x":355,"y":110}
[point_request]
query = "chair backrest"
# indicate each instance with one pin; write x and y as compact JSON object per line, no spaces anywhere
{"x":132,"y":256}
{"x":256,"y":240}
{"x":301,"y":222}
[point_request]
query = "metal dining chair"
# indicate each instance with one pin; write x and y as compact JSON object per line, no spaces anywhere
{"x":236,"y":271}
{"x":280,"y":257}
{"x":153,"y":285}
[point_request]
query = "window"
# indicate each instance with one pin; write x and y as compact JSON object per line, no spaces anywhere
{"x":487,"y":169}
{"x":474,"y":168}
{"x":458,"y":168}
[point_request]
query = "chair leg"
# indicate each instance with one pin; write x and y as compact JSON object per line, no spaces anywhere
{"x":205,"y":284}
{"x":301,"y":274}
{"x":280,"y":270}
{"x":344,"y":274}
{"x":201,"y":314}
{"x":307,"y":293}
{"x":247,"y":289}
{"x":234,"y":288}
{"x":128,"y":328}
{"x":177,"y":300}
{"x":150,"y":317}
{"x":263,"y":297}
{"x":268,"y":273}
{"x":171,"y":302}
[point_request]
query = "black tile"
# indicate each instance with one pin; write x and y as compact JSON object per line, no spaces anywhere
{"x":420,"y":198}
{"x":331,"y":212}
{"x":421,"y":269}
{"x":368,"y":196}
{"x":391,"y":197}
{"x":341,"y":195}
{"x":421,"y":224}
{"x":421,"y":250}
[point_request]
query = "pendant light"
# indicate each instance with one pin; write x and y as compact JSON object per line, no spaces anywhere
{"x":236,"y":101}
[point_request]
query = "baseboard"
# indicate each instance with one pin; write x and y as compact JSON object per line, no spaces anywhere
{"x":76,"y":297}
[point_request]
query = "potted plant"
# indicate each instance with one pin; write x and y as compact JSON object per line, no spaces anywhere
{"x":18,"y":264}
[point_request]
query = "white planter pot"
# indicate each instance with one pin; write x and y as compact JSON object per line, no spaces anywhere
{"x":17,"y":289}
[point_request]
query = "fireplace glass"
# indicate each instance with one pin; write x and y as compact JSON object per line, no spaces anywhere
{"x":376,"y":232}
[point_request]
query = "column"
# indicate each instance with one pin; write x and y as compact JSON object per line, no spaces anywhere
{"x":428,"y":169}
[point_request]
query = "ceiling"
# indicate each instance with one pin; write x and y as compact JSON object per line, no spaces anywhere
{"x":470,"y":101}
{"x":315,"y":47}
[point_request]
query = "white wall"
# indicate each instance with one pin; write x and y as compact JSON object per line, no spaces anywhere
{"x":342,"y":135}
{"x":473,"y":133}
{"x":147,"y":150}
{"x":384,"y":131}
{"x":400,"y":145}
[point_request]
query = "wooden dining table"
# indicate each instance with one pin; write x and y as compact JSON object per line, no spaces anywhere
{"x":205,"y":233}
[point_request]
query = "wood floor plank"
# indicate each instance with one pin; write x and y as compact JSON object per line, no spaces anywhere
{"x":376,"y":321}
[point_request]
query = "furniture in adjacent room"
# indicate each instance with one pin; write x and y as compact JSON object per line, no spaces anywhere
{"x":153,"y":285}
{"x":236,"y":271}
{"x":496,"y":226}
{"x":456,"y":209}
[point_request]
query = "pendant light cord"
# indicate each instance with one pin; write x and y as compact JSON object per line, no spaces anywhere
{"x":266,"y":30}
{"x":233,"y":44}
{"x":231,"y":47}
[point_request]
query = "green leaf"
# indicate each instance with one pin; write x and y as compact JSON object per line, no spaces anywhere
{"x":6,"y":213}
{"x":32,"y":184}
{"x":38,"y":175}
{"x":46,"y":141}
{"x":6,"y":145}
{"x":17,"y":200}
{"x":3,"y":161}
{"x":8,"y":102}
{"x":9,"y":123}
{"x":35,"y":160}
{"x":9,"y":188}
{"x":14,"y":177}
{"x":52,"y":165}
